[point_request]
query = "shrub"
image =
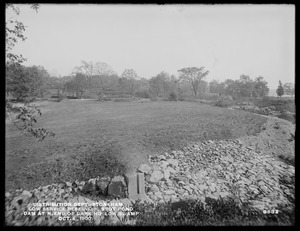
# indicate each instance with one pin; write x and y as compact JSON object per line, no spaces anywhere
{"x":222,"y":102}
{"x":213,"y":212}
{"x":172,"y":96}
{"x":72,"y":97}
{"x":288,"y":117}
{"x":143,"y":94}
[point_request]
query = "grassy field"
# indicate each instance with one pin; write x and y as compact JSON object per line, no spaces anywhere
{"x":98,"y":138}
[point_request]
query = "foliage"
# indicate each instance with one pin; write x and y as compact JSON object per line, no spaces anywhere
{"x":288,"y":117}
{"x":162,"y":84}
{"x":243,"y":87}
{"x":289,"y":89}
{"x":26,"y":120}
{"x":280,"y":90}
{"x":193,"y":75}
{"x":23,"y":82}
{"x":223,"y":102}
{"x":260,"y":87}
{"x":129,"y":77}
{"x":212,"y":213}
{"x":216,"y":87}
{"x":172,"y":96}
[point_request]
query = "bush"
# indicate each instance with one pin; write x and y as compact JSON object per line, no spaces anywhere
{"x":143,"y":94}
{"x":222,"y":102}
{"x":288,"y":117}
{"x":213,"y":212}
{"x":72,"y":97}
{"x":172,"y":96}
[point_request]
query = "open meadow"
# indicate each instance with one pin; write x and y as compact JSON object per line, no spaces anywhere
{"x":107,"y":138}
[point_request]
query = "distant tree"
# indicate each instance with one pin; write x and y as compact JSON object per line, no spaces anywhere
{"x":160,"y":85}
{"x":232,"y":88}
{"x":216,"y":87}
{"x":25,"y":83}
{"x":87,"y":69}
{"x":246,"y":86}
{"x":280,"y":90}
{"x":80,"y":84}
{"x":289,"y":88}
{"x":131,"y":76}
{"x":260,"y":87}
{"x":105,"y":79}
{"x":193,"y":75}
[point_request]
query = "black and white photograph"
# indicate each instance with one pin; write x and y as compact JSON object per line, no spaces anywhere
{"x":149,"y":114}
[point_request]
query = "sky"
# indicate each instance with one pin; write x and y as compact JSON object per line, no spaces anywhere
{"x":228,"y":40}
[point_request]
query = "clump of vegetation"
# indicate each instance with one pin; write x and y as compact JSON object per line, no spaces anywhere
{"x":288,"y":117}
{"x":212,"y":212}
{"x":172,"y":96}
{"x":223,"y":102}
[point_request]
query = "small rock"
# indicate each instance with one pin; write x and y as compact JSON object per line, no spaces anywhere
{"x":89,"y":187}
{"x":145,"y":168}
{"x":161,"y":157}
{"x":203,"y":187}
{"x":156,"y":176}
{"x":168,"y":192}
{"x":164,"y":164}
{"x":173,"y":162}
{"x":69,"y":184}
{"x":186,"y":187}
{"x":154,"y":188}
{"x":26,"y":193}
{"x":166,"y":174}
{"x":102,"y":185}
{"x":7,"y":194}
{"x":171,"y":170}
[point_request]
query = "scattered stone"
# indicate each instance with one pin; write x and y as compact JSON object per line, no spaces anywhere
{"x":102,"y":185}
{"x":89,"y":187}
{"x":117,"y":187}
{"x":154,"y":188}
{"x":145,"y":168}
{"x":156,"y":176}
{"x":164,"y":164}
{"x":173,"y":162}
{"x":161,"y":157}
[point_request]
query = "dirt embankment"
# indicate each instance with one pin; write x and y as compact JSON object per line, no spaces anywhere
{"x":277,"y":139}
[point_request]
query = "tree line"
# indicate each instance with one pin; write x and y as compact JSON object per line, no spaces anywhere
{"x":99,"y":80}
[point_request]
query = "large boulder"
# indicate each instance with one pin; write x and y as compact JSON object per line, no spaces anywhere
{"x":117,"y":187}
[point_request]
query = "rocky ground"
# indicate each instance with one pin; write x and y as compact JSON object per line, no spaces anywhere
{"x":247,"y":169}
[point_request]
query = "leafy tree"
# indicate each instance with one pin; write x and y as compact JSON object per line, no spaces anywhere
{"x":131,"y":76}
{"x":26,"y":117}
{"x":260,"y":87}
{"x":289,"y":88}
{"x":80,"y":84}
{"x":246,"y":86}
{"x":160,"y":85}
{"x":232,"y":88}
{"x":87,"y":69}
{"x":280,"y":90}
{"x":216,"y":87}
{"x":193,"y":75}
{"x":25,"y":82}
{"x":105,"y":80}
